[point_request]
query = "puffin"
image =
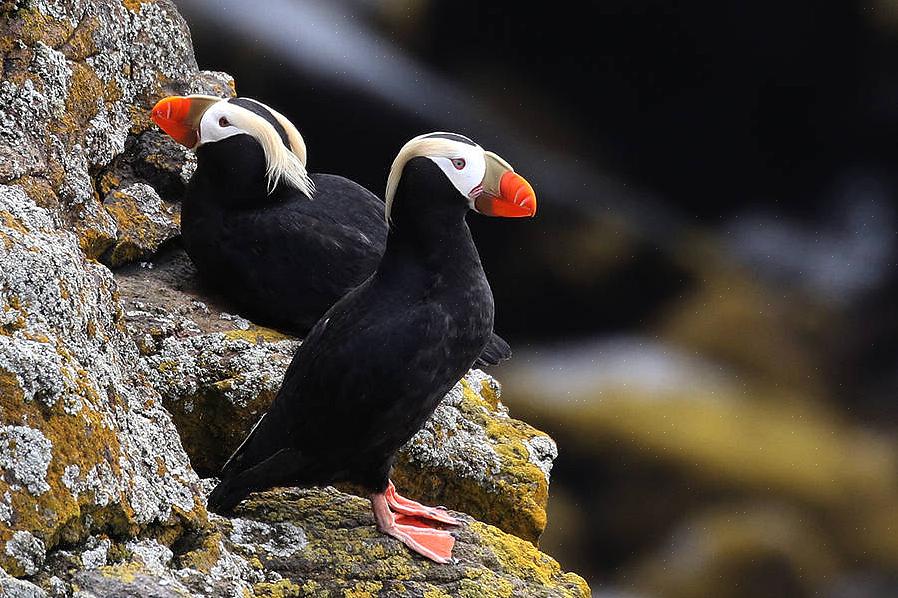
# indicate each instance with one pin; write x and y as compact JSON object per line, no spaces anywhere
{"x":280,"y":244}
{"x":376,"y":365}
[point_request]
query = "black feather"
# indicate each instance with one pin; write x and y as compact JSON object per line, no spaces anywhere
{"x":281,"y":259}
{"x":374,"y":368}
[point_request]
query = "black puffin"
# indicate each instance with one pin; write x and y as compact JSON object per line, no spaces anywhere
{"x":376,"y":365}
{"x":279,"y":243}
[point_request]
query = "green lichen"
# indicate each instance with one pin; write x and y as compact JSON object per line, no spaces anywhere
{"x":256,"y":335}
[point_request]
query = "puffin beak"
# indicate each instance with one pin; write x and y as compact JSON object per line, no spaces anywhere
{"x":505,"y":192}
{"x":179,"y":116}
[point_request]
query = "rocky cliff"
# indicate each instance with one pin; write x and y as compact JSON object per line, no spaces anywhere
{"x":120,"y":378}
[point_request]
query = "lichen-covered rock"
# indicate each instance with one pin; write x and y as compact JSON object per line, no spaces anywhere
{"x":473,"y":457}
{"x":19,"y":588}
{"x":143,"y":220}
{"x":83,"y":445}
{"x":79,"y":79}
{"x":312,"y":543}
{"x":97,"y":495}
{"x":217,"y":376}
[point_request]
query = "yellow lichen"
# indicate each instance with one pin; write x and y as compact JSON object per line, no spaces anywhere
{"x":134,"y":5}
{"x":83,"y":440}
{"x":80,"y":44}
{"x":39,"y":190}
{"x":36,"y":26}
{"x":205,"y":555}
{"x":256,"y":335}
{"x":283,"y":588}
{"x":85,"y":89}
{"x":108,"y":181}
{"x":10,"y":221}
{"x":125,"y":572}
{"x":363,"y":589}
{"x":93,"y":242}
{"x":520,"y":559}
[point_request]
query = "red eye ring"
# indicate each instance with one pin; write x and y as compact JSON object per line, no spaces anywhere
{"x":459,"y":163}
{"x":224,"y":122}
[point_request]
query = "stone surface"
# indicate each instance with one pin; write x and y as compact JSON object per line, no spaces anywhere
{"x":217,"y":375}
{"x":143,"y":220}
{"x":78,"y":81}
{"x":84,"y":445}
{"x":313,"y":543}
{"x":97,"y":495}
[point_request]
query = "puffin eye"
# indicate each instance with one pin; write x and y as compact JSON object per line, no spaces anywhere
{"x":459,"y":163}
{"x":224,"y":122}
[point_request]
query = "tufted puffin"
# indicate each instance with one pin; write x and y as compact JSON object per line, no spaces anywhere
{"x":281,"y":244}
{"x":376,"y":365}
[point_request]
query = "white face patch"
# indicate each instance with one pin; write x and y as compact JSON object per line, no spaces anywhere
{"x":464,"y":169}
{"x":218,"y":123}
{"x":464,"y":164}
{"x":224,"y":119}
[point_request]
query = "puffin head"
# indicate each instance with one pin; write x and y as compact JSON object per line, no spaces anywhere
{"x":483,"y":180}
{"x":205,"y":121}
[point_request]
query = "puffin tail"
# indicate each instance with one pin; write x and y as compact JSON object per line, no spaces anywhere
{"x":226,"y":496}
{"x":284,"y":466}
{"x":496,"y":351}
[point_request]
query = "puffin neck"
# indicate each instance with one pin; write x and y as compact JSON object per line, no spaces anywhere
{"x":427,"y":219}
{"x":234,"y":169}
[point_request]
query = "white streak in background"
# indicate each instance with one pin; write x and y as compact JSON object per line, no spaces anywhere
{"x":330,"y":41}
{"x":633,"y":365}
{"x":849,"y":253}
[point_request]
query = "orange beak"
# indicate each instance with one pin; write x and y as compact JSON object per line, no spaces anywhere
{"x":179,"y":116}
{"x":516,"y":198}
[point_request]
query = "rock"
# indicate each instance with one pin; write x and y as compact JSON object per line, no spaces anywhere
{"x":78,"y":80}
{"x":19,"y":588}
{"x":97,"y":494}
{"x":217,"y":379}
{"x":473,"y":457}
{"x":144,"y":222}
{"x":83,"y":444}
{"x":316,"y":543}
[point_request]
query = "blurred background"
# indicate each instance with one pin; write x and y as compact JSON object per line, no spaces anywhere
{"x":703,"y":312}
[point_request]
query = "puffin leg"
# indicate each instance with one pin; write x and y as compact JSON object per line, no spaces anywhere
{"x":406,"y":506}
{"x":434,"y":544}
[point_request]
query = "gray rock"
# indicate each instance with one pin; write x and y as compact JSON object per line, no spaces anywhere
{"x":84,"y":443}
{"x":97,"y":495}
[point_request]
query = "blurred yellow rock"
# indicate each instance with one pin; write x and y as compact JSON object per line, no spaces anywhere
{"x":743,"y":551}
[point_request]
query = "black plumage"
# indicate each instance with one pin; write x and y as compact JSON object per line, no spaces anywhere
{"x":280,"y":258}
{"x":374,"y":368}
